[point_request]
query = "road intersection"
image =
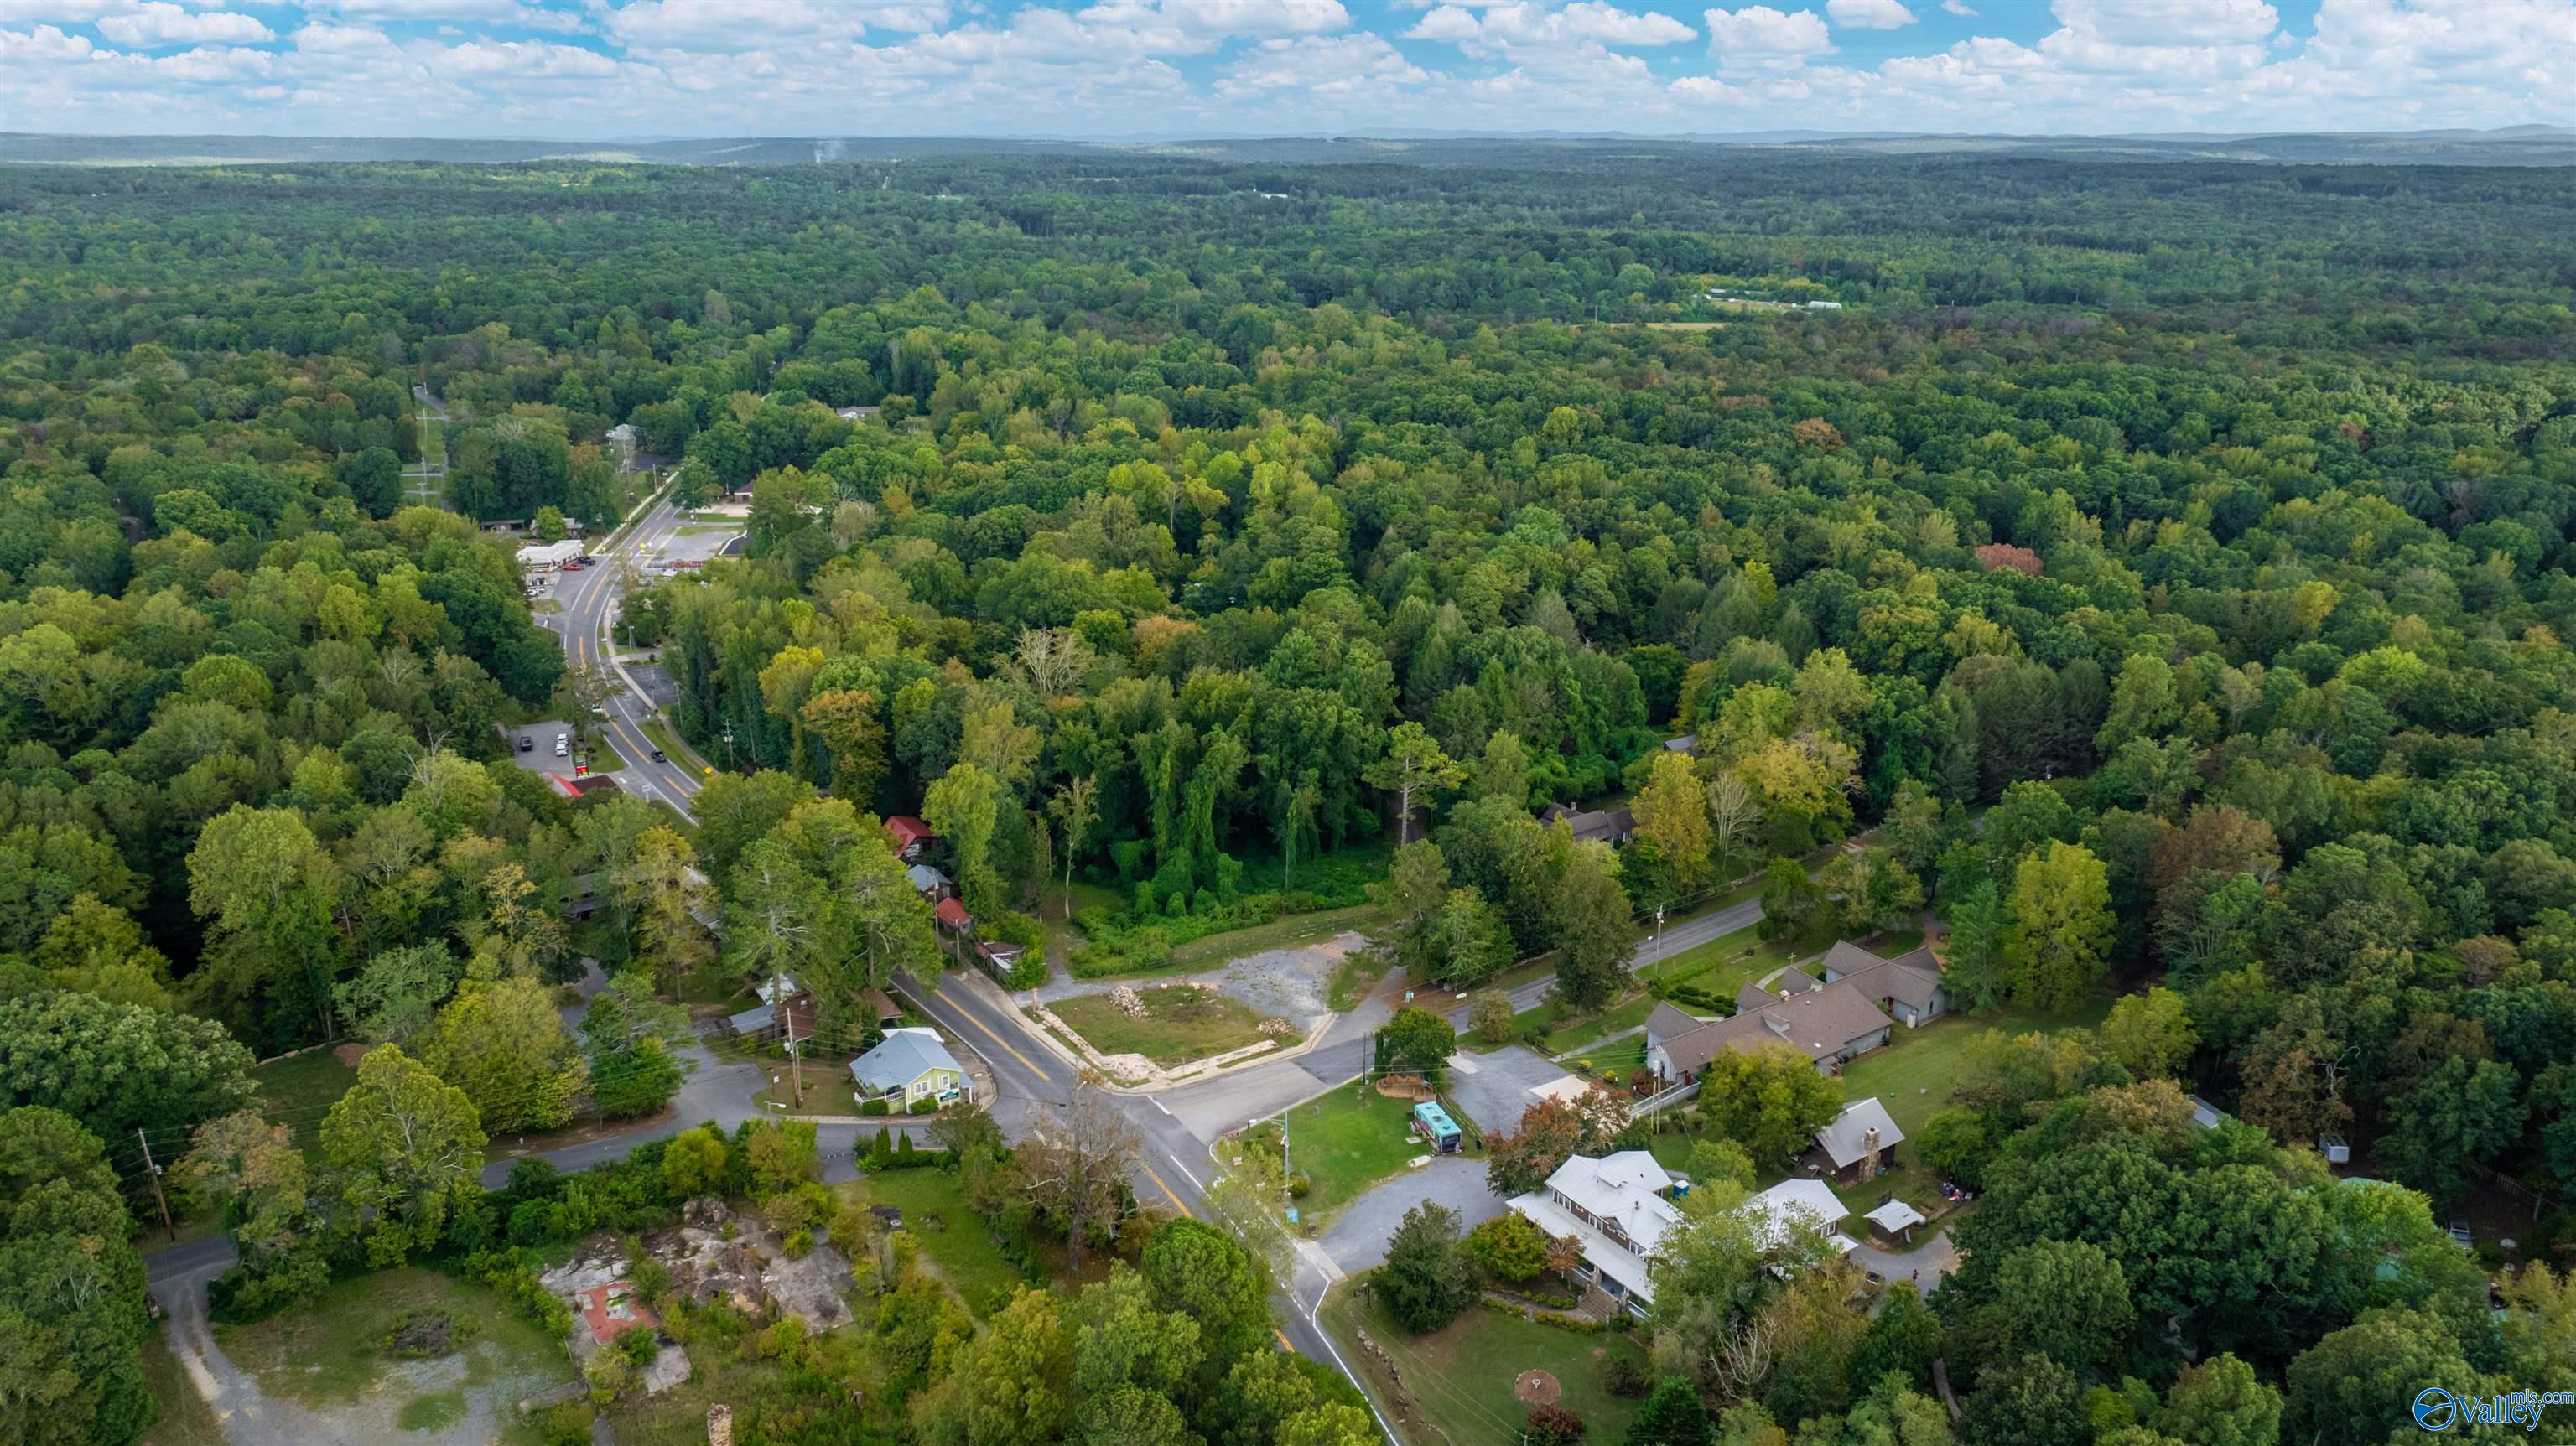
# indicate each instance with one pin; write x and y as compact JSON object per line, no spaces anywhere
{"x":586,"y":604}
{"x":1179,"y":1128}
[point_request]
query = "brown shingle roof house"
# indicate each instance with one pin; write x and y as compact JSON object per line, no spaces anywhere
{"x":1907,"y":986}
{"x":1829,"y":1024}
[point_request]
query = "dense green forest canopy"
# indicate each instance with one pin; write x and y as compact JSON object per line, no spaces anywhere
{"x":2202,"y":531}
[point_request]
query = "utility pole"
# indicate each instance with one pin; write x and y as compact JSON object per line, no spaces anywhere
{"x":155,"y":1171}
{"x":795,"y":1056}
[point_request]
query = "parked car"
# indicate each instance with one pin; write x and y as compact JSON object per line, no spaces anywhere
{"x":575,"y":565}
{"x":527,"y":744}
{"x":563,"y":744}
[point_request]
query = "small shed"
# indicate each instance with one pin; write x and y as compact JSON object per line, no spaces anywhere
{"x":2336,"y":1150}
{"x":1000,"y":960}
{"x":952,"y":916}
{"x":881,"y":1007}
{"x":1894,"y":1221}
{"x":1432,"y":1123}
{"x":930,"y":883}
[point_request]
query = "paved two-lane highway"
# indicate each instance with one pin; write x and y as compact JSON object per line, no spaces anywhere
{"x":586,"y":603}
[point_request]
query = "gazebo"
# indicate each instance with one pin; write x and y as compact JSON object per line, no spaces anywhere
{"x":1894,"y":1221}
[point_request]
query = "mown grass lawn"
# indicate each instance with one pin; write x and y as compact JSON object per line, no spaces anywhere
{"x":1180,"y":1025}
{"x":1343,"y":1142}
{"x":303,"y":1089}
{"x":957,"y":1240}
{"x":1918,"y":1071}
{"x":1574,"y":1034}
{"x":1460,"y":1377}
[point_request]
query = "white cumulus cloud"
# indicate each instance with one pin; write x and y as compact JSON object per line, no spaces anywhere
{"x":1759,"y":30}
{"x":157,"y":22}
{"x":1869,"y":14}
{"x":1320,"y":65}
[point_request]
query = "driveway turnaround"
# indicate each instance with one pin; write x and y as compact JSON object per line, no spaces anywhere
{"x":1358,"y":1240}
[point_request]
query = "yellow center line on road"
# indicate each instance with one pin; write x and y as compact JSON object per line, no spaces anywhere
{"x":969,"y":1016}
{"x":1167,"y":1194}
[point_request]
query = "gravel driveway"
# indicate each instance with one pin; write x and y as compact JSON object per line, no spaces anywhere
{"x":1494,"y":1088}
{"x":1358,"y":1240}
{"x":1288,"y":983}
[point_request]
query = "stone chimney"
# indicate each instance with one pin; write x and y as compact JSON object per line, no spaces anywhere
{"x":1784,"y":993}
{"x":720,"y":1425}
{"x":1869,"y":1161}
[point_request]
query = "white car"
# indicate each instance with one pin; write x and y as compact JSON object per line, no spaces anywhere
{"x":563,"y":744}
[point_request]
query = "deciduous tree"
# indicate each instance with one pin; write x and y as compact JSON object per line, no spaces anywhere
{"x":402,"y":1145}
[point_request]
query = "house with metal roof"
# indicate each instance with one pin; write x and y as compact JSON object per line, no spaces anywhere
{"x":910,"y":1064}
{"x":1861,"y":1141}
{"x":911,"y":836}
{"x":1617,"y":1210}
{"x":930,"y":883}
{"x":1799,"y":1203}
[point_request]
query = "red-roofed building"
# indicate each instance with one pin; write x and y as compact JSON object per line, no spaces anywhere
{"x":953,"y":917}
{"x":612,"y":1310}
{"x":911,"y":835}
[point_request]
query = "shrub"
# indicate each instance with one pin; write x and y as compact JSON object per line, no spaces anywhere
{"x":1580,"y":1325}
{"x":517,"y":1284}
{"x":926,"y":1105}
{"x":421,"y":1335}
{"x":874,"y":1107}
{"x":651,"y":1279}
{"x":1509,"y":1247}
{"x":1299,"y":1183}
{"x":1552,"y":1426}
{"x":609,"y":1374}
{"x":640,"y":1345}
{"x":566,"y":1425}
{"x":798,"y":1244}
{"x":1623,"y":1375}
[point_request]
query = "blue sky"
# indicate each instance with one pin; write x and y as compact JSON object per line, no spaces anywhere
{"x":1090,"y":68}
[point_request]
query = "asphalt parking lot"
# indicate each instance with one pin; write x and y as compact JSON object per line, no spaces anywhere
{"x":540,"y":757}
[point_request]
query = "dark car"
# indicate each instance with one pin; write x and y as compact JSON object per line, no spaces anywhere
{"x":527,"y":744}
{"x":658,"y":758}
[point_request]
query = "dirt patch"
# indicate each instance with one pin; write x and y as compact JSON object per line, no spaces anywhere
{"x":350,"y":1054}
{"x":1406,"y":1087}
{"x":420,"y":1335}
{"x":1537,"y":1388}
{"x":1290,"y":982}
